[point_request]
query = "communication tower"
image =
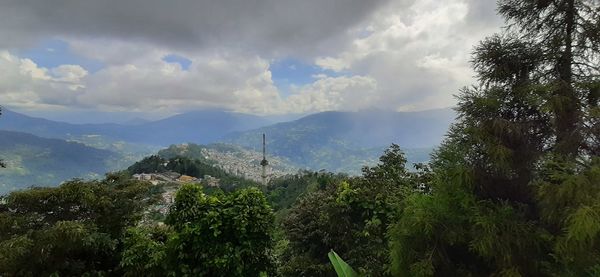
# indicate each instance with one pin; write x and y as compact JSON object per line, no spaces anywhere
{"x":264,"y":163}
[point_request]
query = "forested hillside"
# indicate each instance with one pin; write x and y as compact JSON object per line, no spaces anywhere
{"x":32,"y":160}
{"x":346,"y":141}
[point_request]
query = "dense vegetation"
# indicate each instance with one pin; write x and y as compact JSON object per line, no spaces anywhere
{"x":513,"y":191}
{"x":72,"y":230}
{"x":217,"y":235}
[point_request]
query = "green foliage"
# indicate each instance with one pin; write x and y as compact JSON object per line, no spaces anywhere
{"x":283,"y":192}
{"x":230,"y":235}
{"x":73,"y":229}
{"x":314,"y":226}
{"x":145,"y":251}
{"x":149,"y":164}
{"x":513,"y":191}
{"x":66,"y":248}
{"x":341,"y":268}
{"x":207,"y":235}
{"x":350,"y":215}
{"x":569,"y":198}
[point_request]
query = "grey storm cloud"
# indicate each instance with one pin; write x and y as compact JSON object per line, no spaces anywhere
{"x":276,"y":25}
{"x":392,"y":54}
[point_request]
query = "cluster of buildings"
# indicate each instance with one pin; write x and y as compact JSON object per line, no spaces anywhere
{"x":247,"y":164}
{"x":174,"y":177}
{"x":240,"y":162}
{"x":172,"y":181}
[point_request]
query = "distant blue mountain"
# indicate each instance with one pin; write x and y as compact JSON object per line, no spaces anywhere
{"x":345,"y":141}
{"x":198,"y":127}
{"x":337,"y":141}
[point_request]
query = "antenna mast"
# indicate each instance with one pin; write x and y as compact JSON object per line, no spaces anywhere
{"x":264,"y":163}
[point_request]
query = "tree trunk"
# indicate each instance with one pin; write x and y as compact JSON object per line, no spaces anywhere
{"x":567,"y":106}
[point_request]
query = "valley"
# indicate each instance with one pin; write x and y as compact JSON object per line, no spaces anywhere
{"x":330,"y":141}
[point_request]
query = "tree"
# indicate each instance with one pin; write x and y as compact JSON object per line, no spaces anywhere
{"x":567,"y":33}
{"x":145,"y":251}
{"x":315,"y":225}
{"x":206,"y":235}
{"x":350,"y":216}
{"x":569,"y":201}
{"x":283,"y":192}
{"x":73,"y":229}
{"x":149,"y":164}
{"x":521,"y":150}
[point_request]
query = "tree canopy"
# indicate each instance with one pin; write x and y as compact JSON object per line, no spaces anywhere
{"x":513,"y":187}
{"x":73,"y":229}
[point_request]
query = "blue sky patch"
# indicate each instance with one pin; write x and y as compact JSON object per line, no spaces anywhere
{"x":290,"y":72}
{"x":183,"y":61}
{"x":55,"y":52}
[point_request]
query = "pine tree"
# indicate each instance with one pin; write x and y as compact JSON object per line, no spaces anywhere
{"x":567,"y":33}
{"x":515,"y":187}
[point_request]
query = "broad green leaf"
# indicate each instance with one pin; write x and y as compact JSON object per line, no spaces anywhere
{"x":341,"y":268}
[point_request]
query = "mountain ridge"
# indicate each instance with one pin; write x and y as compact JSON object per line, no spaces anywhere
{"x":345,"y":141}
{"x":198,"y":127}
{"x":33,"y":160}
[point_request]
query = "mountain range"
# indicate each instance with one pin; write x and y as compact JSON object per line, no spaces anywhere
{"x":200,"y":127}
{"x":345,"y":141}
{"x":334,"y":141}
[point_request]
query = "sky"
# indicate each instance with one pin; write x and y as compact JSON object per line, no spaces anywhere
{"x":265,"y":57}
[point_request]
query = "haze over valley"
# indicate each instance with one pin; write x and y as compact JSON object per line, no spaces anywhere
{"x":333,"y":141}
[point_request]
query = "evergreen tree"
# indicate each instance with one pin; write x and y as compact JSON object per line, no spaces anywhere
{"x":525,"y":147}
{"x":567,"y":34}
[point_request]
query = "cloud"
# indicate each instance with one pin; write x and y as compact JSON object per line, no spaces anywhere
{"x":232,"y":82}
{"x":333,"y":93}
{"x":25,"y":85}
{"x":400,"y":55}
{"x":418,"y":53}
{"x":275,"y":26}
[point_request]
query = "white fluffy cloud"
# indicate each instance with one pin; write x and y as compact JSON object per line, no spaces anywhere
{"x":334,"y":93}
{"x":237,"y":83}
{"x":401,"y":55}
{"x":417,"y":53}
{"x":233,"y":82}
{"x":25,"y":85}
